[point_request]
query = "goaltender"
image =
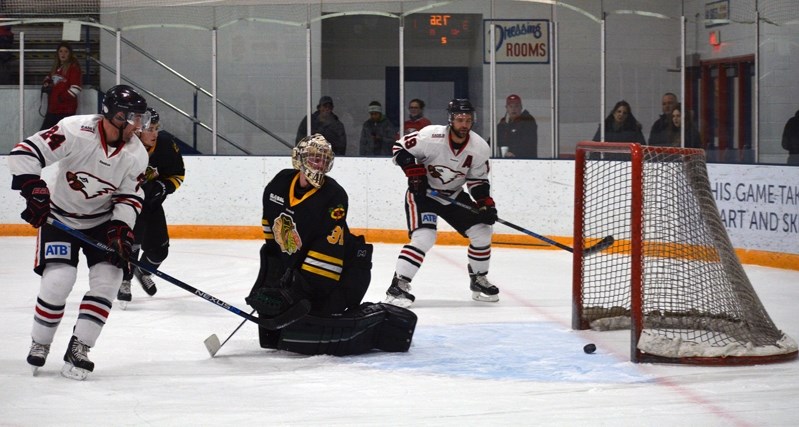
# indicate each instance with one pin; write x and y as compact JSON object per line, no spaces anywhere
{"x":311,"y":259}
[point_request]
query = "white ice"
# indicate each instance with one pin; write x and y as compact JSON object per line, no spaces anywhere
{"x":515,"y":362}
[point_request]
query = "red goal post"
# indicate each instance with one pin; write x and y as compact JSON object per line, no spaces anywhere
{"x":672,"y":276}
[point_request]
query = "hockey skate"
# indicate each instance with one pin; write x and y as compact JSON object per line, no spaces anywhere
{"x":399,"y":293}
{"x":77,"y":366}
{"x":482,"y":289}
{"x":37,"y":355}
{"x":146,"y":281}
{"x":124,"y":296}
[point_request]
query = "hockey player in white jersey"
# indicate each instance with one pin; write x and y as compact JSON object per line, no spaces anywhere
{"x":444,"y":158}
{"x":96,"y":189}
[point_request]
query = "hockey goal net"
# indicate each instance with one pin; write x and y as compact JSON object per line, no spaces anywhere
{"x":672,"y":275}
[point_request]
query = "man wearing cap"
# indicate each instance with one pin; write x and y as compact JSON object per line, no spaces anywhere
{"x":324,"y":122}
{"x":377,"y":134}
{"x":517,"y":131}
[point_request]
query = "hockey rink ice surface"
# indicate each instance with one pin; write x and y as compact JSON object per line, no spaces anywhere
{"x":515,"y":362}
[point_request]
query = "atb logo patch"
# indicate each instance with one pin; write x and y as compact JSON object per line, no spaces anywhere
{"x":57,"y":250}
{"x":429,"y":218}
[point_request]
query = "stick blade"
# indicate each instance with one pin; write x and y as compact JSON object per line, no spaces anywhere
{"x":212,"y":345}
{"x":600,"y":246}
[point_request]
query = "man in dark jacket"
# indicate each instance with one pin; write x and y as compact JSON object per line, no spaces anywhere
{"x":517,"y":131}
{"x":324,"y":122}
{"x":790,"y":139}
{"x":659,"y":134}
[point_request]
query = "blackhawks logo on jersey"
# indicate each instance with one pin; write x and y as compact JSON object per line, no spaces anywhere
{"x":338,"y":212}
{"x":286,"y":236}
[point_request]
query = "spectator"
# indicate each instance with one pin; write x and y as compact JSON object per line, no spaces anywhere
{"x":326,"y":123}
{"x":164,"y":175}
{"x":659,"y":133}
{"x":62,"y":86}
{"x":790,"y":139}
{"x":416,"y":121}
{"x":692,"y":139}
{"x":517,"y":131}
{"x":621,"y":125}
{"x":377,"y":134}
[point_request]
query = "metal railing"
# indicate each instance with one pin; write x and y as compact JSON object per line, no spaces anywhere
{"x":197,"y":90}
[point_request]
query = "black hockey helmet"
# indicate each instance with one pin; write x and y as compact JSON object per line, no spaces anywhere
{"x":154,"y":117}
{"x":460,"y":106}
{"x":123,"y":98}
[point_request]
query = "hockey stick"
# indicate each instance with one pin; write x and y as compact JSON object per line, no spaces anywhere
{"x":212,"y":342}
{"x":286,"y":318}
{"x":603,"y":244}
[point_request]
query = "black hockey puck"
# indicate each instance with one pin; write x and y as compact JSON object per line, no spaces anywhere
{"x":589,"y":348}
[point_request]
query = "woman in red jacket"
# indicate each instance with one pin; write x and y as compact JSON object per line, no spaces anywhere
{"x":62,"y":86}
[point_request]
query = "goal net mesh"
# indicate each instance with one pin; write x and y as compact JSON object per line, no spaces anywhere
{"x":672,"y":269}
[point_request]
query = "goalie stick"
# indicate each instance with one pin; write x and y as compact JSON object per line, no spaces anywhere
{"x":603,"y":244}
{"x":294,"y":313}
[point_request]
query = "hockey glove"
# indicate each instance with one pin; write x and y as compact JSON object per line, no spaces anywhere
{"x":417,"y":178}
{"x":37,"y":196}
{"x":120,"y":239}
{"x":154,"y":192}
{"x":273,"y":301}
{"x":487,"y":210}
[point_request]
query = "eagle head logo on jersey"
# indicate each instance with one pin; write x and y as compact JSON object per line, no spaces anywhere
{"x":88,"y":184}
{"x":443,"y":173}
{"x":286,"y":235}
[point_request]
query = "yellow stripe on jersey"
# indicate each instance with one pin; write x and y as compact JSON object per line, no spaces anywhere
{"x":323,"y":265}
{"x":321,"y":272}
{"x":326,"y":258}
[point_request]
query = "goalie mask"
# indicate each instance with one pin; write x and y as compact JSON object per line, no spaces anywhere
{"x":313,"y":156}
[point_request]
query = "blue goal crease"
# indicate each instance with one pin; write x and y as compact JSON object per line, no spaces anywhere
{"x":538,"y":351}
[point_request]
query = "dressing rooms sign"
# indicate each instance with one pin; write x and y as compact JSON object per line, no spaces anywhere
{"x":517,"y":41}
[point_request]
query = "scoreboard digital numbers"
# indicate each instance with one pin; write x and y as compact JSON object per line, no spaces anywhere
{"x":443,"y":28}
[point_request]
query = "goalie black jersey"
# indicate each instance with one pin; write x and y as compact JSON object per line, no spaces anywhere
{"x":165,"y":163}
{"x":307,"y":230}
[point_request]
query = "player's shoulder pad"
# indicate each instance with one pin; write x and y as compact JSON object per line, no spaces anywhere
{"x":332,"y":187}
{"x":434,"y":132}
{"x":85,"y":124}
{"x":479,"y":145}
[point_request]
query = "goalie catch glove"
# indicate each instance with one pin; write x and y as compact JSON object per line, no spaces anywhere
{"x":120,"y":239}
{"x":37,"y":198}
{"x":417,"y":178}
{"x":273,"y":301}
{"x":487,"y":210}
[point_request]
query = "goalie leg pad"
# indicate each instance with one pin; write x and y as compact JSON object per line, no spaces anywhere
{"x":372,"y":326}
{"x":397,"y":329}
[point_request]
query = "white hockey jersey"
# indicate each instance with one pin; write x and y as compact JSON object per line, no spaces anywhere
{"x":93,"y":183}
{"x":447,"y":169}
